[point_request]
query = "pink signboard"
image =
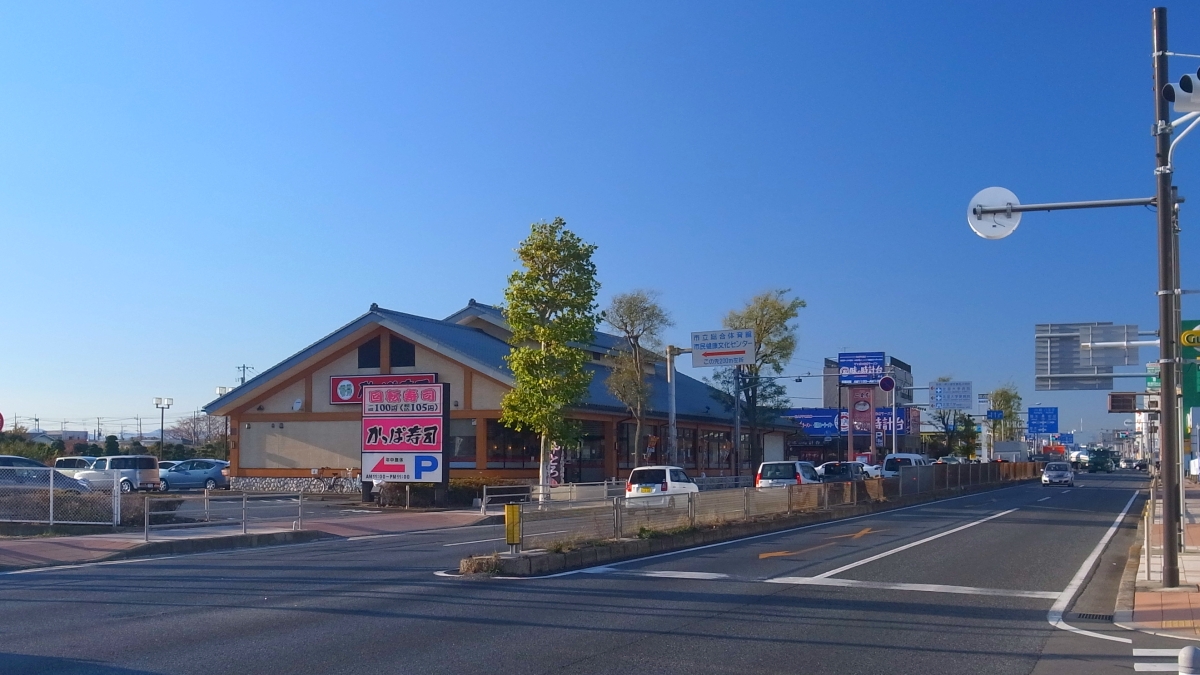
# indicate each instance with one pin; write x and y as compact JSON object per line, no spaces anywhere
{"x":402,"y":399}
{"x":345,"y":389}
{"x":402,"y":434}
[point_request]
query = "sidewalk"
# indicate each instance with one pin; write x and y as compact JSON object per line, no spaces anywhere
{"x":1175,"y":612}
{"x":26,"y":552}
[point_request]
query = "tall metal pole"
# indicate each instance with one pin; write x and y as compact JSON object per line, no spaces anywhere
{"x":672,"y":435}
{"x":1168,"y":295}
{"x":737,"y":421}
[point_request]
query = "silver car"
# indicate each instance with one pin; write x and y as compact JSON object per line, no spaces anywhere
{"x":137,"y":472}
{"x":1058,"y":473}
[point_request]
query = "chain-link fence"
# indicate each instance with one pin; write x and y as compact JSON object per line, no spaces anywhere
{"x":44,"y":495}
{"x":621,"y":517}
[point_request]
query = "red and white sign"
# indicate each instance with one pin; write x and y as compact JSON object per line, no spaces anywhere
{"x":862,"y":409}
{"x":402,"y":399}
{"x":402,"y":434}
{"x":346,"y":389}
{"x":731,"y":347}
{"x":402,"y":467}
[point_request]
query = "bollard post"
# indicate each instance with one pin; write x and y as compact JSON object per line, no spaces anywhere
{"x":512,"y":527}
{"x":407,"y":495}
{"x":790,"y":491}
{"x":52,"y":472}
{"x":745,"y":502}
{"x":146,"y":516}
{"x":692,"y":509}
{"x":116,"y":500}
{"x":300,"y":511}
{"x":243,"y":513}
{"x":206,"y":515}
{"x":1189,"y":661}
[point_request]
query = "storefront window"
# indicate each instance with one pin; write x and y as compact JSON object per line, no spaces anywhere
{"x":460,"y":441}
{"x":509,"y":449}
{"x":685,"y":441}
{"x":585,"y":463}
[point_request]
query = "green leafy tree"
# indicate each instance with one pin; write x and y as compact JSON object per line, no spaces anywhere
{"x":1007,"y":400}
{"x":111,"y":445}
{"x":640,"y":320}
{"x":762,"y":398}
{"x":550,"y":306}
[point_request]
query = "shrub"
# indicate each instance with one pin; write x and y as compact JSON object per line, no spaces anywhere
{"x":480,"y":564}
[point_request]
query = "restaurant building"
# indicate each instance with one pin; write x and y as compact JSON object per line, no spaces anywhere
{"x":302,"y":417}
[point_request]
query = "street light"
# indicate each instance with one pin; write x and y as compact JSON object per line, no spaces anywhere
{"x":162,"y":404}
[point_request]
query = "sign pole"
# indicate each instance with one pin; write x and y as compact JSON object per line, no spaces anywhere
{"x":737,"y":420}
{"x":1167,"y":297}
{"x":894,"y":450}
{"x":671,"y":433}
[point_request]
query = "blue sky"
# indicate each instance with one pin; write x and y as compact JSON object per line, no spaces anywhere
{"x":185,"y":187}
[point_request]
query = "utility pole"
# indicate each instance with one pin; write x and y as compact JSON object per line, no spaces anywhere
{"x":737,"y":420}
{"x":1168,"y":296}
{"x":243,"y":369}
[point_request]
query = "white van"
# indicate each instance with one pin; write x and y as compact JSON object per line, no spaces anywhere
{"x":893,"y":462}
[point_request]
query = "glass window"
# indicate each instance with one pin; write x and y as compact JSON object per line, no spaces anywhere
{"x":509,"y":449}
{"x":100,"y":464}
{"x":647,"y":476}
{"x":678,"y":476}
{"x":778,"y":471}
{"x":460,"y":442}
{"x":585,"y":464}
{"x":368,"y":354}
{"x":401,"y":354}
{"x":685,"y":441}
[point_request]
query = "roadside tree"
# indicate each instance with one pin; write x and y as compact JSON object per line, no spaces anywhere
{"x":640,"y":320}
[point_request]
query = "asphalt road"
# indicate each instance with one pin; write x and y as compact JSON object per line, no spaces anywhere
{"x":957,"y":586}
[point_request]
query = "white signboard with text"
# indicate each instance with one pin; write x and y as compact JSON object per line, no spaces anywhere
{"x":732,"y":347}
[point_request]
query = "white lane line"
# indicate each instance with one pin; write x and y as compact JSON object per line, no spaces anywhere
{"x":1156,"y":667}
{"x":927,"y":588}
{"x":905,"y":547}
{"x":483,"y":541}
{"x":1043,"y":499}
{"x":1172,"y":653}
{"x":671,"y":574}
{"x":1065,"y":491}
{"x":1054,"y":616}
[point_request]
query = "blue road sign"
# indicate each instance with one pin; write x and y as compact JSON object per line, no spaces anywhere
{"x":860,"y":367}
{"x":951,"y":395}
{"x":995,"y":414}
{"x":1066,"y":439}
{"x":1043,"y":421}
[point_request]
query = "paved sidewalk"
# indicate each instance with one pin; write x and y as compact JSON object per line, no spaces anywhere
{"x":25,"y":552}
{"x":1176,"y":612}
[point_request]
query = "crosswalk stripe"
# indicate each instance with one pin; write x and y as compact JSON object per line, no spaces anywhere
{"x":1156,"y":667}
{"x":1156,"y":652}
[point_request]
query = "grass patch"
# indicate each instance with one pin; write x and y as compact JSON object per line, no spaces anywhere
{"x":480,"y":564}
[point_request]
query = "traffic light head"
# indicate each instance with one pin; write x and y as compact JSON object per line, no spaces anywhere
{"x":1186,"y":95}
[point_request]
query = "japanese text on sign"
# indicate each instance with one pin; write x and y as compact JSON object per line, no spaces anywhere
{"x":402,"y":433}
{"x":860,"y":367}
{"x":732,"y":347}
{"x":402,"y":400}
{"x":348,"y":389}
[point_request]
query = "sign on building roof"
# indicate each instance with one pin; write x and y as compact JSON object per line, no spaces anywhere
{"x":860,"y":367}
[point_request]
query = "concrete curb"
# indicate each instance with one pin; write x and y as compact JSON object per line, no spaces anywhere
{"x":1123,"y":611}
{"x":201,"y":545}
{"x":543,"y":563}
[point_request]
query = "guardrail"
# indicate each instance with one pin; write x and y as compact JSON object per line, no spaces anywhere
{"x":556,"y":496}
{"x":221,"y":508}
{"x":43,"y":495}
{"x":622,"y":517}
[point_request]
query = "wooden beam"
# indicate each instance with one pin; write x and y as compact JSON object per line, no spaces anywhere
{"x":385,"y":351}
{"x":468,"y":387}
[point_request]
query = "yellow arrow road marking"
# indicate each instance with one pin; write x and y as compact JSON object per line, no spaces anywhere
{"x":780,"y":554}
{"x":857,"y":535}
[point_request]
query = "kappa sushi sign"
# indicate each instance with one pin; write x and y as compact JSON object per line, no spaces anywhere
{"x":403,"y":432}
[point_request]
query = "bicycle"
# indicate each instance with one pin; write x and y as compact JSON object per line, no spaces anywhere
{"x":341,"y":482}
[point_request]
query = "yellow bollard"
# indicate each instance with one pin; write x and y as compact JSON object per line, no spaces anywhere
{"x":512,"y":527}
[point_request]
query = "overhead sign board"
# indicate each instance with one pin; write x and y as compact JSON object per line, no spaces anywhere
{"x":1154,"y":380}
{"x":1066,"y":439}
{"x":951,"y":395}
{"x":734,"y":347}
{"x":1043,"y":421}
{"x":403,"y":432}
{"x":1078,"y":350}
{"x":995,"y":414}
{"x":347,"y":389}
{"x":860,"y":367}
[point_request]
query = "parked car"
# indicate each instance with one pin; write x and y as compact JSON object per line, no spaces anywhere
{"x":1141,"y":465}
{"x":137,"y":472}
{"x":1058,"y":473}
{"x":193,"y":473}
{"x":950,"y":459}
{"x":22,"y":473}
{"x":163,"y":466}
{"x":69,"y":466}
{"x":893,"y":462}
{"x":841,"y":472}
{"x":782,"y":474}
{"x":871,"y":470}
{"x":658,"y":486}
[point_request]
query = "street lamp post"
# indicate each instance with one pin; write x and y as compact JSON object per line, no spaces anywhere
{"x":162,"y":404}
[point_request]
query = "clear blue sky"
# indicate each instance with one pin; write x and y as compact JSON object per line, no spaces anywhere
{"x":185,"y":187}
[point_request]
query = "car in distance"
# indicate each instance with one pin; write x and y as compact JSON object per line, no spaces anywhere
{"x":893,"y":462}
{"x":842,"y":472}
{"x":782,"y":474}
{"x":69,"y":466}
{"x":658,"y":486}
{"x":136,"y":472}
{"x":193,"y":473}
{"x":871,"y":470}
{"x":1058,"y":473}
{"x":21,"y":473}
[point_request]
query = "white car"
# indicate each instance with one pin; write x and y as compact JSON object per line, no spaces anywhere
{"x":893,"y":462}
{"x":70,"y":466}
{"x":782,"y":474}
{"x":658,"y":486}
{"x":872,"y":470}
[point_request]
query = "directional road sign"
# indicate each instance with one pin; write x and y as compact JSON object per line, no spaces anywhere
{"x":1066,"y":439}
{"x":733,"y":347}
{"x":995,"y":414}
{"x":1043,"y":421}
{"x":951,"y":395}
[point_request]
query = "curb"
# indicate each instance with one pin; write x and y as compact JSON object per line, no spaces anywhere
{"x":545,"y":563}
{"x":204,"y":545}
{"x":1123,"y":610}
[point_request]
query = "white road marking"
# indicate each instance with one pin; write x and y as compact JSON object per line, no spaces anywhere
{"x":1156,"y":652}
{"x":905,"y":547}
{"x":483,"y":541}
{"x":1156,"y":667}
{"x":927,"y":588}
{"x":1043,"y":499}
{"x":1054,"y":616}
{"x":1065,"y":491}
{"x":671,"y":574}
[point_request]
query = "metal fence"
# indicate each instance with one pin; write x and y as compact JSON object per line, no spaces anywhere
{"x":221,"y":508}
{"x":42,"y":495}
{"x":621,"y":517}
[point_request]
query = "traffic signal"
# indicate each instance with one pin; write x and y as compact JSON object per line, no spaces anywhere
{"x":1185,"y":95}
